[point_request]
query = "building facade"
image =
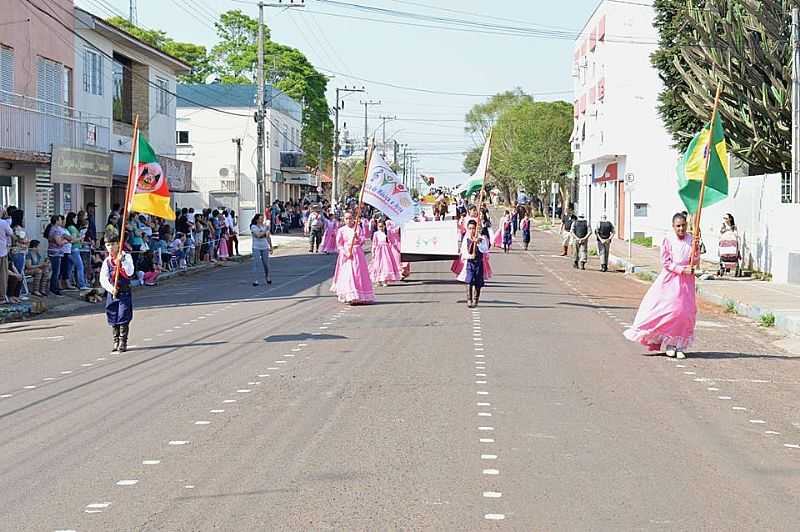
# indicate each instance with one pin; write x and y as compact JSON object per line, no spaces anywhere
{"x":618,"y":131}
{"x":210,"y":120}
{"x":124,"y":79}
{"x":46,"y":140}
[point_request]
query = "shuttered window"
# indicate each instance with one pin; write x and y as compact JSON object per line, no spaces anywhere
{"x":6,"y":73}
{"x":50,"y":85}
{"x":92,"y":72}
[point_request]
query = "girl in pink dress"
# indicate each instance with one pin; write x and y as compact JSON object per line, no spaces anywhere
{"x":222,"y":251}
{"x":351,"y":280}
{"x":384,"y":266}
{"x":329,"y":238}
{"x":666,"y":317}
{"x":393,"y":234}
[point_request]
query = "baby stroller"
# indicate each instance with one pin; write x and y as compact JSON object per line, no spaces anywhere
{"x":729,"y":255}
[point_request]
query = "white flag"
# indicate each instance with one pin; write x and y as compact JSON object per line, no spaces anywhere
{"x":384,"y":191}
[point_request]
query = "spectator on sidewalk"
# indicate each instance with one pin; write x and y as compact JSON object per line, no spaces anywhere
{"x":604,"y":232}
{"x":581,"y":232}
{"x":176,"y":249}
{"x":111,"y":231}
{"x":315,"y":227}
{"x":91,"y":231}
{"x":234,"y":233}
{"x":6,"y":239}
{"x":37,"y":265}
{"x":148,"y":271}
{"x":19,"y":243}
{"x":75,"y":266}
{"x":566,"y":227}
{"x":55,"y":235}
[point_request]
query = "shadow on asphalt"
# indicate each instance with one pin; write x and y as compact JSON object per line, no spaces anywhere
{"x":174,"y":346}
{"x":595,"y":307}
{"x":717,"y":355}
{"x":27,"y":328}
{"x":277,"y":338}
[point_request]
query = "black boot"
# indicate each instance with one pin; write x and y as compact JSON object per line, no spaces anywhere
{"x":123,"y":337}
{"x":477,"y":296}
{"x":115,"y":335}
{"x":469,"y":296}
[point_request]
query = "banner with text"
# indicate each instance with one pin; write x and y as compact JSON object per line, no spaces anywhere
{"x":384,"y":191}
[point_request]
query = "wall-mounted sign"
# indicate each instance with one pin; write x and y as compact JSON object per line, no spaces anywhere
{"x":81,"y":167}
{"x":179,"y":173}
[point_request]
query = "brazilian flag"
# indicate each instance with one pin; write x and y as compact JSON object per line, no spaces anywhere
{"x":693,"y":164}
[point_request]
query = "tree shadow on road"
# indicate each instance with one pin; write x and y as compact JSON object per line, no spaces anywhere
{"x":718,"y":355}
{"x":278,"y":338}
{"x":595,"y":307}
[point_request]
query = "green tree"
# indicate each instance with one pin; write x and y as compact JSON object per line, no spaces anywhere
{"x":235,"y":58}
{"x":744,"y":45}
{"x":480,"y":119}
{"x":193,"y":55}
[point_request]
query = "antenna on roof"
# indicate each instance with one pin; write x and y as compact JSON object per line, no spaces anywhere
{"x":132,"y":16}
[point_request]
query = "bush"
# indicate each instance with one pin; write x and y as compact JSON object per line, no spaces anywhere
{"x":646,"y":241}
{"x":768,"y":320}
{"x":730,"y":307}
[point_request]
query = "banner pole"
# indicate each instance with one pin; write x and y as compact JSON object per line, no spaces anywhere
{"x":129,"y":188}
{"x":361,"y":198}
{"x":696,"y":241}
{"x":483,"y":190}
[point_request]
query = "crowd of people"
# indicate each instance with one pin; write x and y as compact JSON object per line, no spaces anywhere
{"x":69,"y":253}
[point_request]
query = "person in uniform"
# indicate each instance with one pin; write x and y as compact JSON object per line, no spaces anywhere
{"x":566,"y":225}
{"x":580,"y":233}
{"x":119,"y":303}
{"x":604,"y":232}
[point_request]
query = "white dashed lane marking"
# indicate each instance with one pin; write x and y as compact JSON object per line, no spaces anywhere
{"x":130,"y":482}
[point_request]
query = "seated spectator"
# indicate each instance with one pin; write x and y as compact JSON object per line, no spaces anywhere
{"x":15,"y":282}
{"x":148,"y":271}
{"x":176,"y":249}
{"x":37,"y":265}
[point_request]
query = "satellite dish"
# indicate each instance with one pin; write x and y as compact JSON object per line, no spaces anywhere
{"x":223,"y":172}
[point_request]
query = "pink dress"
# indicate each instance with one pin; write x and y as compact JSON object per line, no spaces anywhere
{"x":222,"y":252}
{"x":458,"y":262}
{"x":393,"y":235}
{"x":667,"y":314}
{"x":384,"y":266}
{"x":329,"y":238}
{"x":351,"y":280}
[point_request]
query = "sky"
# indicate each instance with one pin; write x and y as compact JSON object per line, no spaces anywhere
{"x":402,"y":54}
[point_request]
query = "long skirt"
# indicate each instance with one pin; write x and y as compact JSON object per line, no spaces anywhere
{"x":667,"y":313}
{"x":351,"y":280}
{"x":120,"y":310}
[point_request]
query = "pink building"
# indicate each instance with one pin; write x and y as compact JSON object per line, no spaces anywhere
{"x":41,"y":132}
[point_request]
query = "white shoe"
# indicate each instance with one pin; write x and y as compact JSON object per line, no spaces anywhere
{"x":680,"y":354}
{"x":670,"y":351}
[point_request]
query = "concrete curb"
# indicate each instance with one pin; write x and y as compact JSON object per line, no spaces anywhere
{"x":783,"y":322}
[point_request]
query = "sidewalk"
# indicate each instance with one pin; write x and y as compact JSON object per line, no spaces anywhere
{"x":72,"y":300}
{"x":750,"y":297}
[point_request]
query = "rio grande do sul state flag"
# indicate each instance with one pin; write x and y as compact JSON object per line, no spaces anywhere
{"x":150,"y":194}
{"x":384,"y":191}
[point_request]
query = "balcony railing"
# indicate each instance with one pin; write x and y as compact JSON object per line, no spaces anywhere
{"x":32,"y":125}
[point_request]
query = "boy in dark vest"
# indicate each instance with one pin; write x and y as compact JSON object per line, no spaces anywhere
{"x":119,"y":303}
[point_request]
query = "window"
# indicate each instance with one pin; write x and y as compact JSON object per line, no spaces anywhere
{"x":67,"y":92}
{"x":640,"y":210}
{"x":162,"y":92}
{"x":786,"y":187}
{"x":285,"y":137}
{"x":50,"y":85}
{"x":92,"y":72}
{"x":122,"y":93}
{"x":6,"y":72}
{"x":182,"y":137}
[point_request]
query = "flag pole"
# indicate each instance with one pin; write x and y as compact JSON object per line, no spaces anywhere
{"x":130,"y":187}
{"x":699,"y":212}
{"x":483,"y":189}
{"x":361,"y":198}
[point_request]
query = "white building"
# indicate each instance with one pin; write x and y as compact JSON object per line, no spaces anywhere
{"x":207,"y":136}
{"x":120,"y":78}
{"x":618,"y":130}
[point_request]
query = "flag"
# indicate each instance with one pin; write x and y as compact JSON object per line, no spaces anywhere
{"x":150,"y":195}
{"x":693,"y":165}
{"x":384,"y":191}
{"x":475,"y":183}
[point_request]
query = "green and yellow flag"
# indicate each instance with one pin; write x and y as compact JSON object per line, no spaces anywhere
{"x":693,"y":164}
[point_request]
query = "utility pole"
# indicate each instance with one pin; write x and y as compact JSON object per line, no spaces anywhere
{"x":132,"y":15}
{"x":385,"y":118}
{"x":366,"y":125}
{"x":238,"y":182}
{"x":405,"y":174}
{"x":796,"y":105}
{"x":261,"y":104}
{"x":336,"y":146}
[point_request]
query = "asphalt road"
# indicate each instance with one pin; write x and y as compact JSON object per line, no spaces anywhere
{"x":277,"y":408}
